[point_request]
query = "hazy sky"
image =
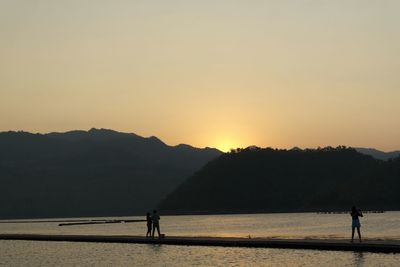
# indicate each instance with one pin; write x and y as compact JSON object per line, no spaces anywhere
{"x":207,"y":73}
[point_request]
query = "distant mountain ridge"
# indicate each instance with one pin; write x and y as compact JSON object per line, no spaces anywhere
{"x":273,"y":180}
{"x":99,"y":172}
{"x":378,"y":154}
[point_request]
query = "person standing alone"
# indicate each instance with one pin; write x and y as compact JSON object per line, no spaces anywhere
{"x":355,"y":213}
{"x":156,"y":223}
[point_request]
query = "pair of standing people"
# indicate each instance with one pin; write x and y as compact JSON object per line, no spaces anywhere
{"x":153,"y":223}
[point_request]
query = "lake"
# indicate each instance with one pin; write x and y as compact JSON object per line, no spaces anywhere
{"x":286,"y":225}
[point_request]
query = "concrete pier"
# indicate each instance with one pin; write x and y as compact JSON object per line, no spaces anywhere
{"x":388,"y":246}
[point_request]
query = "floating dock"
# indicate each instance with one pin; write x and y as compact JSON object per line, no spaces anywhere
{"x":385,"y":246}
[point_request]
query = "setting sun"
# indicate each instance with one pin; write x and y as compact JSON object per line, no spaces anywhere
{"x":226,"y":143}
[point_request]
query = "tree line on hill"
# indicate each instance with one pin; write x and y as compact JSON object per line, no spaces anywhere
{"x":278,"y":180}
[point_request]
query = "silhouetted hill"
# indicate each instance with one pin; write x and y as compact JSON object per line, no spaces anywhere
{"x":378,"y":154}
{"x":90,"y":173}
{"x":269,"y":180}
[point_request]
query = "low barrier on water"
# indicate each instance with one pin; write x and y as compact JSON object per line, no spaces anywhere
{"x":347,"y":212}
{"x":334,"y":245}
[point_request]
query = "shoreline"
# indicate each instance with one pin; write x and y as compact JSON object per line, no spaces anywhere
{"x":166,"y":213}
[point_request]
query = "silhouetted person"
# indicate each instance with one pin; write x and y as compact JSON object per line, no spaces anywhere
{"x":149,"y":224}
{"x":355,"y":213}
{"x":156,"y":223}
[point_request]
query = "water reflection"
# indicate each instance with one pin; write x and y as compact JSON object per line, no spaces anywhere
{"x":43,"y":254}
{"x":156,"y":248}
{"x":359,"y":259}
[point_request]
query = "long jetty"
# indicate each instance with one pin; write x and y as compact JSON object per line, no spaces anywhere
{"x":387,"y":246}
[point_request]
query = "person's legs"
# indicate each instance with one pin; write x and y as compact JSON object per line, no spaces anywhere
{"x":154,"y":229}
{"x":352,"y":234}
{"x":359,"y":233}
{"x":158,"y":230}
{"x":148,"y":231}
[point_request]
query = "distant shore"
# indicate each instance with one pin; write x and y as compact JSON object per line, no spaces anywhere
{"x":170,"y":213}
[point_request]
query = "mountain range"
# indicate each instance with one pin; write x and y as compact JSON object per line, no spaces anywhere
{"x":378,"y":154}
{"x":103,"y":172}
{"x":98,"y":172}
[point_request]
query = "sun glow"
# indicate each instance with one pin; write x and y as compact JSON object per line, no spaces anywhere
{"x":226,"y":144}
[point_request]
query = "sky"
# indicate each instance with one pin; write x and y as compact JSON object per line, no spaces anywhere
{"x":215,"y":73}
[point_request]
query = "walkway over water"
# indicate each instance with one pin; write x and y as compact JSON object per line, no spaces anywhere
{"x":387,"y":246}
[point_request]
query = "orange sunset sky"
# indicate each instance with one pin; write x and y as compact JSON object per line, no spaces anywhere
{"x":207,"y":73}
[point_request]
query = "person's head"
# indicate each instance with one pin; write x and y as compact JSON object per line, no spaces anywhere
{"x":154,"y":211}
{"x":353,"y":209}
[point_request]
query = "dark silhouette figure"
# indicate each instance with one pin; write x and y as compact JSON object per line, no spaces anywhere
{"x":149,"y":224}
{"x":355,"y":213}
{"x":156,"y":223}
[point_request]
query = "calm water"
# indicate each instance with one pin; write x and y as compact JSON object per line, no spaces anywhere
{"x":301,"y":225}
